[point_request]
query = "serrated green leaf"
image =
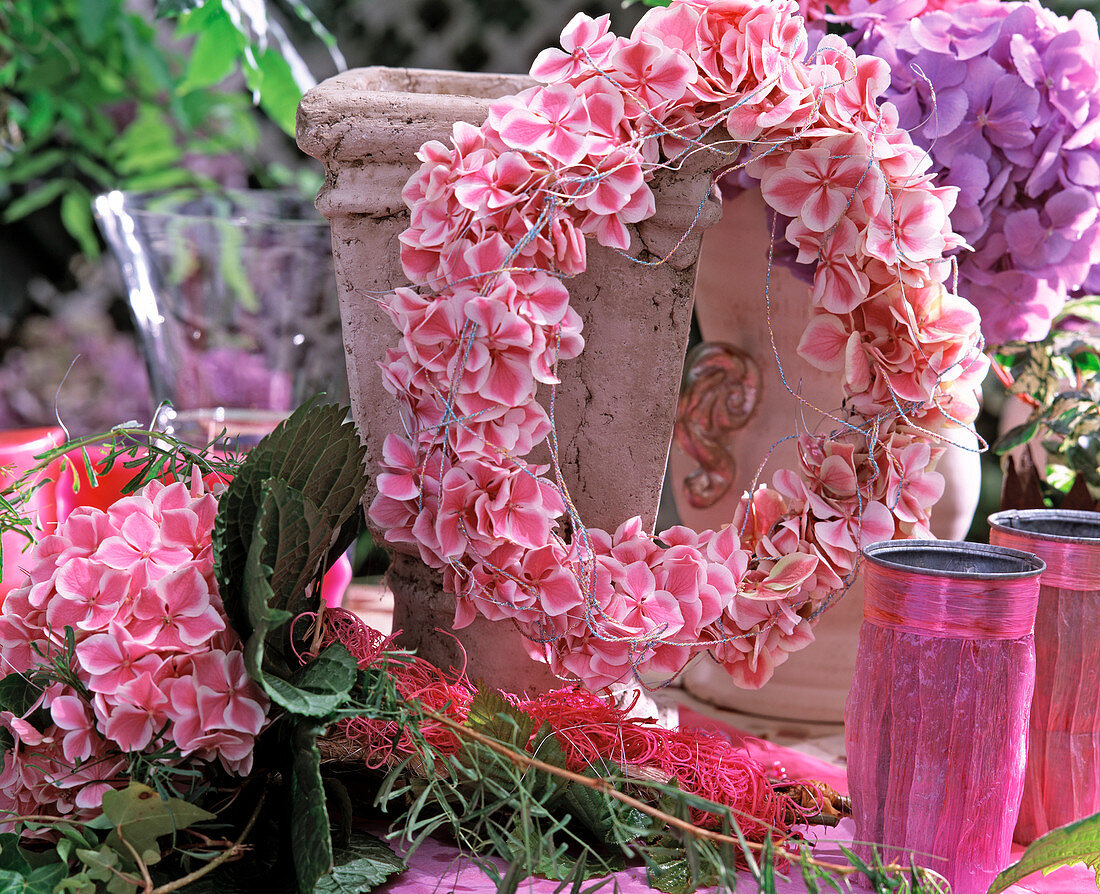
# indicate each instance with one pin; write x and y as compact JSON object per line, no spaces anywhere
{"x":140,"y":816}
{"x":1077,"y":842}
{"x":321,"y":686}
{"x":314,"y":453}
{"x":491,"y":715}
{"x":609,"y":820}
{"x":311,"y":841}
{"x":364,"y":864}
{"x":287,"y":539}
{"x":667,"y":870}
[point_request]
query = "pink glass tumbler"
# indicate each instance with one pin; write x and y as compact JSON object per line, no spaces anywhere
{"x":1062,"y":783}
{"x":18,"y":449}
{"x":937,"y":716}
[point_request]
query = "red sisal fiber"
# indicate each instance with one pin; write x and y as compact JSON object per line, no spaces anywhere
{"x":592,"y":731}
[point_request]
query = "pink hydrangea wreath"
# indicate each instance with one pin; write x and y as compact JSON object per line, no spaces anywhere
{"x":498,"y":219}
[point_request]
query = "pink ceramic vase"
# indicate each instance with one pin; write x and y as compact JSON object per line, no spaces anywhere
{"x":1062,"y":783}
{"x":735,"y":411}
{"x":936,"y":720}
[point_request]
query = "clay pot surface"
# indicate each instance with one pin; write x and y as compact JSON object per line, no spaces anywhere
{"x":616,"y":403}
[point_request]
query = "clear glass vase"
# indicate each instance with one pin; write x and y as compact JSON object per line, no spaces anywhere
{"x":234,"y":296}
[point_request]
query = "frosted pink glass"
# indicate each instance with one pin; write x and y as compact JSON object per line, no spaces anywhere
{"x":1062,"y":781}
{"x":18,"y":448}
{"x":936,"y":724}
{"x":335,"y":582}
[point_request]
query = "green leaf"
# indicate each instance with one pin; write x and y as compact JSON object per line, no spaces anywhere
{"x":319,"y":688}
{"x":101,"y":863}
{"x":92,"y":19}
{"x":140,"y":816}
{"x":36,"y":198}
{"x":310,"y":839}
{"x":1077,"y":842}
{"x":167,"y":9}
{"x":18,"y":694}
{"x":279,"y":92}
{"x":491,"y":715}
{"x":364,"y":864}
{"x":42,"y":880}
{"x":608,"y":819}
{"x":76,"y":215}
{"x":322,"y":685}
{"x":1087,"y":308}
{"x":667,"y":870}
{"x":11,"y":857}
{"x":1016,"y":437}
{"x":287,"y":545}
{"x":315,"y":453}
{"x":214,"y":55}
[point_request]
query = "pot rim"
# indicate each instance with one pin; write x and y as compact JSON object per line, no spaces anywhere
{"x":243,"y":207}
{"x":1008,"y":519}
{"x":891,"y":554}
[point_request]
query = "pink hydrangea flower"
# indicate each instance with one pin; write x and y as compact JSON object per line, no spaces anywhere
{"x":154,"y":653}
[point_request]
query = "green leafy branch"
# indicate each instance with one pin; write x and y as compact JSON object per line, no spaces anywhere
{"x":113,"y":852}
{"x":495,"y":797}
{"x":1059,"y":378}
{"x":93,"y":96}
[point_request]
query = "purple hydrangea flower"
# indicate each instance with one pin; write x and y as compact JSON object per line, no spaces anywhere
{"x":1006,"y":98}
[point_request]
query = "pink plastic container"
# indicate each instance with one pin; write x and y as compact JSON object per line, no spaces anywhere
{"x":1062,"y":783}
{"x":18,"y":449}
{"x":937,"y":716}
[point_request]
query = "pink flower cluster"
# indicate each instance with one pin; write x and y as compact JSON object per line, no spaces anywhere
{"x":156,"y":662}
{"x":1006,"y":99}
{"x":501,"y":214}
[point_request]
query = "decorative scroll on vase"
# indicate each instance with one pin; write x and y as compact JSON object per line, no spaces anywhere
{"x":720,"y":392}
{"x":937,"y":717}
{"x":1062,"y":782}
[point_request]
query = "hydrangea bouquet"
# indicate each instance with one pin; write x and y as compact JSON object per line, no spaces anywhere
{"x":181,"y":710}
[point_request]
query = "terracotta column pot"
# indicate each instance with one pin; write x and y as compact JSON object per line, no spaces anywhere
{"x":731,"y":310}
{"x":616,"y":406}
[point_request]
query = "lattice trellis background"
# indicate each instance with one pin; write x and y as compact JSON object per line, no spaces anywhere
{"x":466,"y":35}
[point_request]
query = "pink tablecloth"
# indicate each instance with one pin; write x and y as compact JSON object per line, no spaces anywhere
{"x":438,"y":868}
